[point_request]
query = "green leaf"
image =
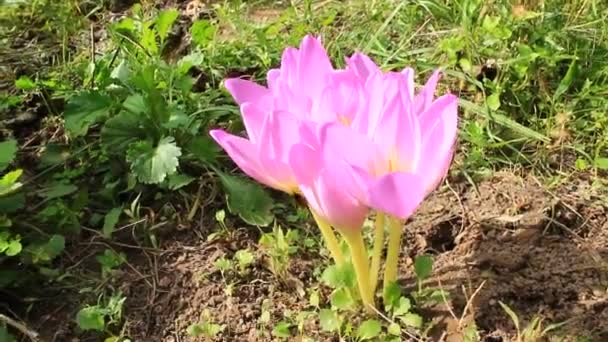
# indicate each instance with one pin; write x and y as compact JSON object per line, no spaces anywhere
{"x":511,"y":314}
{"x":567,"y":80}
{"x":14,"y":247}
{"x":85,"y":109}
{"x":412,"y":319}
{"x":5,"y":336}
{"x":91,"y":318}
{"x":248,"y":200}
{"x":12,"y":203}
{"x":8,"y":182}
{"x":58,"y":190}
{"x":44,"y":252}
{"x":394,"y":329}
{"x":493,"y":101}
{"x":402,"y":307}
{"x":341,"y":299}
{"x":188,"y":61}
{"x":110,"y":221}
{"x":164,"y":22}
{"x":148,"y":41}
{"x":8,"y":151}
{"x":369,"y":329}
{"x":152,"y":164}
{"x":122,"y":130}
{"x":204,"y":149}
{"x":392,"y":294}
{"x":179,"y":180}
{"x":329,"y":320}
{"x":423,"y":266}
{"x":53,"y":155}
{"x":25,"y":83}
{"x":601,"y":163}
{"x":503,"y":120}
{"x":121,"y":72}
{"x":202,"y":32}
{"x":282,"y":330}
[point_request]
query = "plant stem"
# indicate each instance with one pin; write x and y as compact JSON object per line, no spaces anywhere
{"x":361,"y":264}
{"x":392,"y":256}
{"x":377,"y":251}
{"x":330,"y":239}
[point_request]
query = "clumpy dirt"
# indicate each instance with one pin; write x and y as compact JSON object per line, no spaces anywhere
{"x":505,"y":239}
{"x":540,"y":252}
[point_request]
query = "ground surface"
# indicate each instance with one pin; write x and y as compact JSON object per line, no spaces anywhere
{"x":542,"y":252}
{"x":519,"y":228}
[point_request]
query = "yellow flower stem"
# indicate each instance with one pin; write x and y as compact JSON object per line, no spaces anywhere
{"x":330,"y":238}
{"x":361,"y":264}
{"x":377,"y":251}
{"x":392,"y":256}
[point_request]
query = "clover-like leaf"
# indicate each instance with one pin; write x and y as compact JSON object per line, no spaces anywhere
{"x":152,"y":164}
{"x":8,"y":151}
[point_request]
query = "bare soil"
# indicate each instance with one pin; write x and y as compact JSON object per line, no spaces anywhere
{"x":543,"y":253}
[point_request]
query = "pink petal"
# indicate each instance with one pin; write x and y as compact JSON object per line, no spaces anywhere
{"x":253,"y":119}
{"x":362,"y":65}
{"x":425,"y":97}
{"x":339,"y":208}
{"x":313,"y":66}
{"x":245,"y":91}
{"x":280,"y":132}
{"x":306,"y":164}
{"x":289,"y":66}
{"x":342,"y":143}
{"x":398,"y":194}
{"x":243,"y":153}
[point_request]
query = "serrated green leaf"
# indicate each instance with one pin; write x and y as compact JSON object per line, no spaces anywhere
{"x":369,"y":329}
{"x":403,"y":306}
{"x":412,"y":319}
{"x":248,"y":200}
{"x":148,"y":40}
{"x":329,"y":320}
{"x":122,"y":130}
{"x":423,"y":266}
{"x":85,"y":109}
{"x":164,"y":22}
{"x":281,"y":329}
{"x":179,"y":180}
{"x":91,"y":318}
{"x":152,"y":164}
{"x":8,"y":151}
{"x":25,"y":83}
{"x":341,"y":299}
{"x":110,"y":220}
{"x":202,"y":32}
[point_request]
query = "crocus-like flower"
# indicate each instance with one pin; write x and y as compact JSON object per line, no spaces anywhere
{"x":265,"y":155}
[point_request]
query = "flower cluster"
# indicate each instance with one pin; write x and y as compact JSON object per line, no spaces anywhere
{"x":351,"y":141}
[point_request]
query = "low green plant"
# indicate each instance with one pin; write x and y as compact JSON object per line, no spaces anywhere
{"x":103,"y":315}
{"x":205,"y":327}
{"x":279,"y":246}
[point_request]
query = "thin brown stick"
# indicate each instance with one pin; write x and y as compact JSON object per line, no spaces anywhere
{"x":21,"y":327}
